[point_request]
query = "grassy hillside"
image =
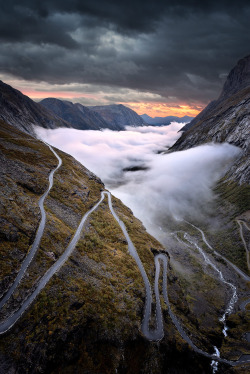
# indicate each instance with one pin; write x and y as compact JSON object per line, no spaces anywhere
{"x":88,"y":317}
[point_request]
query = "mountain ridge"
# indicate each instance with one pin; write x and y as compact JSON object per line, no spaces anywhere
{"x":80,"y":117}
{"x":19,"y":110}
{"x":119,"y":115}
{"x":160,"y":121}
{"x":225,"y":120}
{"x":114,"y":117}
{"x":22,"y":112}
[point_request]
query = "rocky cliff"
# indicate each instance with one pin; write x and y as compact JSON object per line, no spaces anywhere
{"x":226,"y":119}
{"x":23,"y":113}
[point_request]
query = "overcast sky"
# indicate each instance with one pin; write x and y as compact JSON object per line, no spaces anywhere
{"x":158,"y":57}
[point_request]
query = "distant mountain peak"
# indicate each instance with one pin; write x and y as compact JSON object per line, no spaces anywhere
{"x":78,"y":115}
{"x":119,"y":115}
{"x":164,"y":121}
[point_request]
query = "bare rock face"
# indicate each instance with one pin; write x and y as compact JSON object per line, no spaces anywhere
{"x":226,"y":119}
{"x":20,"y":111}
{"x":238,"y":78}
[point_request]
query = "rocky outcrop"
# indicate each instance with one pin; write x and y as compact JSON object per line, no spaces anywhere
{"x":119,"y":116}
{"x":226,"y":119}
{"x":22,"y":112}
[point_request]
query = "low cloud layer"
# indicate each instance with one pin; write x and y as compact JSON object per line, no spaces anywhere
{"x":107,"y":152}
{"x":156,"y":186}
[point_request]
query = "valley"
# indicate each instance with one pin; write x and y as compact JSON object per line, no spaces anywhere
{"x":153,"y":335}
{"x":89,"y":285}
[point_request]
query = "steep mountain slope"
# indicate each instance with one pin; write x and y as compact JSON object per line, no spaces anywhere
{"x":19,"y":110}
{"x":79,"y":116}
{"x":119,"y":116}
{"x":226,"y":119}
{"x":164,"y":120}
{"x":87,"y":319}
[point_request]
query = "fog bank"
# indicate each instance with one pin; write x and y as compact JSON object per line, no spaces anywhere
{"x":132,"y":166}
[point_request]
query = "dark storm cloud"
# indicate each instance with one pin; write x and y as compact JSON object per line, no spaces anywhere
{"x":177,"y":49}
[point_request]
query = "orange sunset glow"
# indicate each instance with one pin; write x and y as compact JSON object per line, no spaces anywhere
{"x":162,"y":110}
{"x":153,"y":109}
{"x":39,"y":95}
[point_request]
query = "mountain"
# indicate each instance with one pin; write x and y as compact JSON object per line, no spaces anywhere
{"x":80,"y":306}
{"x":160,"y":121}
{"x":22,"y":112}
{"x":114,"y":117}
{"x":226,"y":119}
{"x":87,"y":318}
{"x":119,"y":116}
{"x":79,"y":116}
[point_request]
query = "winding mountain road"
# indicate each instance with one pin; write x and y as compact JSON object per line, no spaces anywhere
{"x":240,"y":272}
{"x":244,"y":304}
{"x":9,"y":322}
{"x":240,"y":223}
{"x":38,"y":236}
{"x":234,"y":297}
{"x":155,"y":334}
{"x":158,"y":333}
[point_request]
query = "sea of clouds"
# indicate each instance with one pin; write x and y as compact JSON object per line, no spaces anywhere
{"x":175,"y":184}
